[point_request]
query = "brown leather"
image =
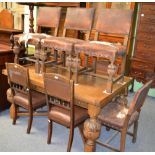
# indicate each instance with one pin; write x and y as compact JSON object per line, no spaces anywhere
{"x":114,"y":21}
{"x":114,"y":115}
{"x":139,"y":97}
{"x":79,"y":18}
{"x":58,"y":86}
{"x":17,"y":74}
{"x":62,"y":116}
{"x":33,"y":37}
{"x":49,"y":16}
{"x":99,"y":49}
{"x":61,"y":43}
{"x":38,"y":100}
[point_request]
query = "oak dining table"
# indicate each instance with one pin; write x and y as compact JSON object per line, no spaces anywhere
{"x":89,"y":93}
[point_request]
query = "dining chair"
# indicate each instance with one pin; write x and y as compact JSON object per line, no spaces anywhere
{"x":78,"y":19}
{"x":48,"y":17}
{"x":23,"y":96}
{"x":61,"y":106}
{"x":111,"y":22}
{"x":120,"y":117}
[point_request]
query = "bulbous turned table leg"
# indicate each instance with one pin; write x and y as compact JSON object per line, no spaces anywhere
{"x":92,"y":128}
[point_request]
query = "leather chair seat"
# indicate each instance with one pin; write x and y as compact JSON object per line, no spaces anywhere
{"x":38,"y":100}
{"x":62,"y":115}
{"x":32,"y":38}
{"x":114,"y":115}
{"x":62,"y":43}
{"x":100,"y":49}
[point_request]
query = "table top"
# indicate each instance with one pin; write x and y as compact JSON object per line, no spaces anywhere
{"x":90,"y":90}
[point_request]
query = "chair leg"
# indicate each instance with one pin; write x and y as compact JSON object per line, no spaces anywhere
{"x":63,"y":58}
{"x":71,"y":135}
{"x":50,"y":127}
{"x":123,"y":140}
{"x":94,"y":64}
{"x":107,"y":128}
{"x":86,"y":61}
{"x":135,"y":128}
{"x":81,"y":133}
{"x":30,"y":120}
{"x":15,"y":114}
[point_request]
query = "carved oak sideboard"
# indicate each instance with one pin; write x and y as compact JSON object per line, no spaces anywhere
{"x":143,"y":61}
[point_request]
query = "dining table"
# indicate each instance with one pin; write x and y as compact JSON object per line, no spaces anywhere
{"x":90,"y":93}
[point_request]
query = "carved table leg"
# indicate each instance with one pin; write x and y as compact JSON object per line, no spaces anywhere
{"x":92,"y":128}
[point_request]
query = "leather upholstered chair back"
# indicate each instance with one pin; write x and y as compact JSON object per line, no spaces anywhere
{"x":17,"y":75}
{"x":113,"y":21}
{"x":139,"y":98}
{"x":79,"y":19}
{"x":57,"y":86}
{"x":49,"y":17}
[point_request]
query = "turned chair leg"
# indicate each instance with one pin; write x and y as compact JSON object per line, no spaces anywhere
{"x":50,"y":127}
{"x":123,"y":140}
{"x":81,"y":133}
{"x":135,"y":128}
{"x":15,"y":114}
{"x":71,"y":135}
{"x":30,"y":121}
